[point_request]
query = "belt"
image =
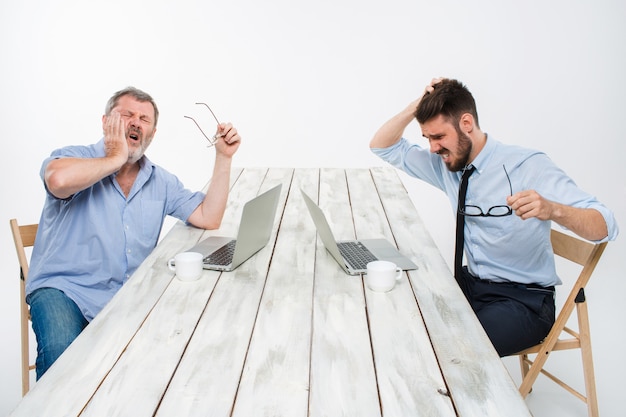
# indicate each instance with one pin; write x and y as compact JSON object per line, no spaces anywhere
{"x":517,"y":284}
{"x":510,"y":283}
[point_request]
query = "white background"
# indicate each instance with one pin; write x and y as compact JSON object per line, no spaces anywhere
{"x":307,"y":84}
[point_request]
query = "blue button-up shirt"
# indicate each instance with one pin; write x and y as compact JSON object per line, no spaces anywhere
{"x":502,"y":248}
{"x":89,"y":244}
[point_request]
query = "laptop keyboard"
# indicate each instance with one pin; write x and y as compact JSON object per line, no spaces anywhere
{"x":222,"y":256}
{"x":356,"y":254}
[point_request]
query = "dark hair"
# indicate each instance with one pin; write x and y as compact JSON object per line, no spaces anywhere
{"x":451,"y":99}
{"x":136,"y":94}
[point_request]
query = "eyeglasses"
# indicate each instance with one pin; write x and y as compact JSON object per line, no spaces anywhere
{"x":213,"y":139}
{"x":495,"y":211}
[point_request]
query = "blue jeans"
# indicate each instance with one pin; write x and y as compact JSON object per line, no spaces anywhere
{"x":57,"y":321}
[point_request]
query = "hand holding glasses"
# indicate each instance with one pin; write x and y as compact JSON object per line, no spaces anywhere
{"x":495,"y":211}
{"x":212,"y":140}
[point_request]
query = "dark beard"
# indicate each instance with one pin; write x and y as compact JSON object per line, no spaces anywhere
{"x":464,"y":144}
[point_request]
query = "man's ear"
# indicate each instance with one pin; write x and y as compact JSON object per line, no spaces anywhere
{"x":466,"y":123}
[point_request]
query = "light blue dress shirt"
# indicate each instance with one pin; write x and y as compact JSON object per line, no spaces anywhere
{"x":89,"y":244}
{"x":501,"y":249}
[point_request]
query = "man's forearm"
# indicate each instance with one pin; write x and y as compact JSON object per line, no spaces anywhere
{"x":210,"y":213}
{"x":586,"y":223}
{"x":391,"y":132}
{"x":65,"y":177}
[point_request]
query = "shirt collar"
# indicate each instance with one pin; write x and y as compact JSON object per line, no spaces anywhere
{"x":482,"y":159}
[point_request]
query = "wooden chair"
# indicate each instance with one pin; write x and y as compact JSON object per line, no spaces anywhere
{"x":24,"y":236}
{"x":587,"y":255}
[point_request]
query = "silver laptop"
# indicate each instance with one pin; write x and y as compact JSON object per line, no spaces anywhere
{"x":353,"y":255}
{"x":257,"y":220}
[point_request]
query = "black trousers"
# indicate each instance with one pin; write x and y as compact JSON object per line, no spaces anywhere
{"x":514,"y":316}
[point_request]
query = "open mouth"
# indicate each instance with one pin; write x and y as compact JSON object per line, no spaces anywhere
{"x":134,"y":136}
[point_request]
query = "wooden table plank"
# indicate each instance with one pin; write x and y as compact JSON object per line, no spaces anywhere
{"x":409,"y":379}
{"x":343,"y":380}
{"x":476,"y":378}
{"x":161,"y":340}
{"x":275,"y":380}
{"x":208,"y":387}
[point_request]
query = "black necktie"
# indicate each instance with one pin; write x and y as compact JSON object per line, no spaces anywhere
{"x":460,"y":224}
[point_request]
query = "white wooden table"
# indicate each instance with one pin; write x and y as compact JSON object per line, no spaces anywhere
{"x":287,"y":333}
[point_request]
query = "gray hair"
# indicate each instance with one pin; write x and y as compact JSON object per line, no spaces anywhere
{"x":138,"y":95}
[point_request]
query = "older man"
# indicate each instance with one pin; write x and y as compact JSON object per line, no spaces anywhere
{"x":104,"y":209}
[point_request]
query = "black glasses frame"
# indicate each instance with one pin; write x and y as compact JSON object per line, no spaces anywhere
{"x":213,"y":139}
{"x":476,"y":211}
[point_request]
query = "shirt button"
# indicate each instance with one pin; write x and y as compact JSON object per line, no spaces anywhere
{"x":128,"y":251}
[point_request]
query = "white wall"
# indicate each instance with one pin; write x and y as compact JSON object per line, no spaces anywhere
{"x":307,"y":84}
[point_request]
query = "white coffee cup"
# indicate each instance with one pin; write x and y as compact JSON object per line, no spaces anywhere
{"x":187,"y":265}
{"x":382,"y":275}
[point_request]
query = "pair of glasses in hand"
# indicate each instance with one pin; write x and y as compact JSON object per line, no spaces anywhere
{"x":495,"y":211}
{"x":213,"y":139}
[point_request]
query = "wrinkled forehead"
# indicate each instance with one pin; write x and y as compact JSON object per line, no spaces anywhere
{"x":135,"y":106}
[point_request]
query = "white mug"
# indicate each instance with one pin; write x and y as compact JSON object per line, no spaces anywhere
{"x":187,"y":265}
{"x":382,"y":275}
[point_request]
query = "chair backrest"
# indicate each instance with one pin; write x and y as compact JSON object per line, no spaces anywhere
{"x":23,"y":237}
{"x":581,"y":252}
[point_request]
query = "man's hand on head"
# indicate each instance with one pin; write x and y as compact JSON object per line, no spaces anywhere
{"x":431,"y":87}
